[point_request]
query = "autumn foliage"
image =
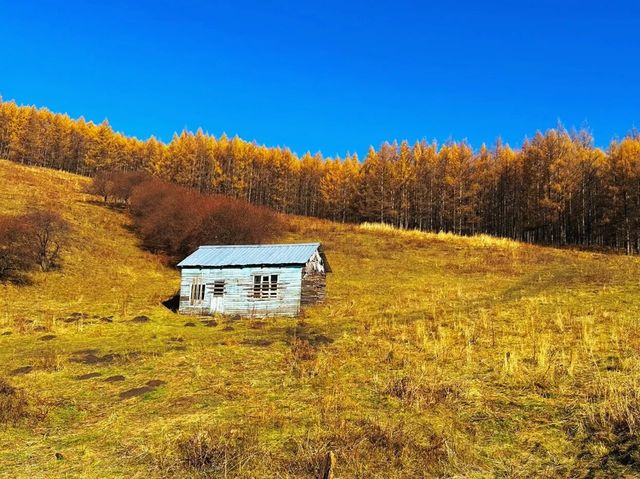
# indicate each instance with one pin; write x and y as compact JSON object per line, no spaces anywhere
{"x":558,"y":188}
{"x":174,"y":220}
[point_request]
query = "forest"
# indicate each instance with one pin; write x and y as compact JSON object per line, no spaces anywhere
{"x":556,"y":189}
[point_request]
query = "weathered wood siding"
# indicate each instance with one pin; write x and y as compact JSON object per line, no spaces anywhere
{"x":238,"y":291}
{"x":313,"y":280}
{"x":313,"y":287}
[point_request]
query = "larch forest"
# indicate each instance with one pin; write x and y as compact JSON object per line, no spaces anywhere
{"x":557,"y":189}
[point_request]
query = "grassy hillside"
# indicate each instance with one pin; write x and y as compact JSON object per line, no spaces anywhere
{"x":435,"y":356}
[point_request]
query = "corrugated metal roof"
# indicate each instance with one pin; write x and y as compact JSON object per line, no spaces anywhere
{"x":244,"y":255}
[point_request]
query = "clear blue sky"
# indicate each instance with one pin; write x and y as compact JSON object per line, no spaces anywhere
{"x":331,"y":76}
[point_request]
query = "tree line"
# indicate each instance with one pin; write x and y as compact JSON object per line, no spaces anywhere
{"x":558,"y":188}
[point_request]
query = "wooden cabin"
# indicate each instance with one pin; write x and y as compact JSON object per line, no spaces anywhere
{"x":253,"y":280}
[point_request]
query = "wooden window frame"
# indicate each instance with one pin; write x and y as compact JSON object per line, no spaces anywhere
{"x":197,"y":292}
{"x":218,"y":288}
{"x":265,"y":286}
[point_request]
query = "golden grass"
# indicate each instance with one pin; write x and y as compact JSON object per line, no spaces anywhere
{"x":478,"y":241}
{"x":434,"y":356}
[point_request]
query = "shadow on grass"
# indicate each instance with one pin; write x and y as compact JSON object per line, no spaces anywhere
{"x":173,"y":303}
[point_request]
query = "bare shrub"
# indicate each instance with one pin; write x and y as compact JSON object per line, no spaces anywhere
{"x":47,"y":234}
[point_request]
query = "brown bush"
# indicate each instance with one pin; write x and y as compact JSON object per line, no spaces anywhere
{"x":174,"y":220}
{"x":124,"y":183}
{"x":13,"y":404}
{"x":117,"y":186}
{"x":101,"y":185}
{"x":16,"y":256}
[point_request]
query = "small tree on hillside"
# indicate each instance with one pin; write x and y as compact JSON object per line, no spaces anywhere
{"x":101,"y":185}
{"x":47,"y":233}
{"x":123,"y":184}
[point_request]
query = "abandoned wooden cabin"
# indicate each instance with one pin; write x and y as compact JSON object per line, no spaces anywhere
{"x":253,"y":280}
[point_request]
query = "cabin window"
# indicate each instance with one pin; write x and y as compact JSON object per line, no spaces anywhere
{"x":218,"y":288}
{"x":197,"y":291}
{"x":265,"y":286}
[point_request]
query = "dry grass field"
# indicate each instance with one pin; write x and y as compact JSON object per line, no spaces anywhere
{"x":434,"y":356}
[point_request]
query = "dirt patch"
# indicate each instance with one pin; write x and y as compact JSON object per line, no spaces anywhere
{"x":115,"y":379}
{"x":228,"y":328}
{"x":189,"y":325}
{"x":48,"y":337}
{"x":176,"y":339}
{"x":179,"y":348}
{"x":21,"y":370}
{"x":86,"y":351}
{"x":256,"y":342}
{"x":84,"y":377}
{"x":91,"y":358}
{"x":106,"y":319}
{"x":75,"y":317}
{"x":156,"y":382}
{"x":210,"y":322}
{"x":131,"y":393}
{"x":7,"y":333}
{"x":39,"y":329}
{"x":141,"y":319}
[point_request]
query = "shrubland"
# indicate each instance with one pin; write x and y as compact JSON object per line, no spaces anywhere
{"x":173,"y":220}
{"x":433,"y":356}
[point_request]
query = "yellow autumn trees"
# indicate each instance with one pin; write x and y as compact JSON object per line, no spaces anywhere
{"x":557,"y":189}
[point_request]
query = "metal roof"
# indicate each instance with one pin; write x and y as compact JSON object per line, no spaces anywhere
{"x":252,"y":255}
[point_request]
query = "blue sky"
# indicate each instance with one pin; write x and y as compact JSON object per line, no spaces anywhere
{"x":331,"y":76}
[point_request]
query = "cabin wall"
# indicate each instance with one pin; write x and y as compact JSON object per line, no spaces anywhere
{"x":313,"y":288}
{"x":238,"y":292}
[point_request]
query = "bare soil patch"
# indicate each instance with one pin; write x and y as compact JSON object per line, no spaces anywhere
{"x":21,"y":370}
{"x":115,"y":379}
{"x":156,"y":382}
{"x":130,"y":393}
{"x":84,"y":377}
{"x":141,"y":319}
{"x":48,"y":337}
{"x":256,"y":342}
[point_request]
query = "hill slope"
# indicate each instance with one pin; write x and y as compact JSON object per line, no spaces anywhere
{"x":434,"y":356}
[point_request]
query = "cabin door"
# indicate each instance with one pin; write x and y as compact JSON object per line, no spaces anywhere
{"x":217,"y":297}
